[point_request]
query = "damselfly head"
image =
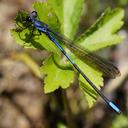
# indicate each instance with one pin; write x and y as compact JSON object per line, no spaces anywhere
{"x":34,"y":14}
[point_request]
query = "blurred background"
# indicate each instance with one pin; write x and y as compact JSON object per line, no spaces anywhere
{"x":23,"y":103}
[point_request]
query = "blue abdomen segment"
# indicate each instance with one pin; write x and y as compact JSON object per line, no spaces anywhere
{"x":114,"y":107}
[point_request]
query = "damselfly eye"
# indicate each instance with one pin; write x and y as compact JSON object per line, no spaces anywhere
{"x":34,"y":14}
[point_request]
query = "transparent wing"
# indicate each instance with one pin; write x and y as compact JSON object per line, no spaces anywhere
{"x":106,"y":67}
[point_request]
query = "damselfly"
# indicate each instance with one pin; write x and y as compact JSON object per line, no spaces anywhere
{"x":106,"y":67}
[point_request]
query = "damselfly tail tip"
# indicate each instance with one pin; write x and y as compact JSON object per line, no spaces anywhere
{"x":114,"y":107}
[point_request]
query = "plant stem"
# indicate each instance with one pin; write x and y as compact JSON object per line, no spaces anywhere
{"x":68,"y":113}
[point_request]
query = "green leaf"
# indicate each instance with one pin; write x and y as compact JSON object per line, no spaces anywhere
{"x":72,"y":11}
{"x":24,"y":37}
{"x":57,"y":5}
{"x":55,"y":77}
{"x":67,"y":15}
{"x":102,"y":33}
{"x":89,"y":94}
{"x":95,"y":76}
{"x":47,"y":14}
{"x":20,"y":34}
{"x":36,"y":41}
{"x":23,"y":41}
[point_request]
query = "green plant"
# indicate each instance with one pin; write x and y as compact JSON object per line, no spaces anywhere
{"x":63,"y":17}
